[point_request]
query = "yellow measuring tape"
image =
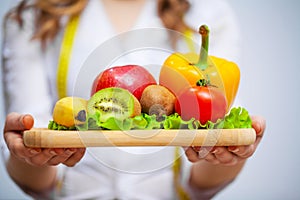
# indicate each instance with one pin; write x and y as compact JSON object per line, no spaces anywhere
{"x":177,"y":165}
{"x":64,"y":57}
{"x":188,"y":35}
{"x":62,"y":72}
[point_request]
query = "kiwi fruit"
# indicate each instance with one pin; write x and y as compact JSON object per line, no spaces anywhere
{"x":158,"y":100}
{"x":114,"y":102}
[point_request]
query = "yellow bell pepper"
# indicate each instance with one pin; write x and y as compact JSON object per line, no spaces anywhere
{"x":184,"y":70}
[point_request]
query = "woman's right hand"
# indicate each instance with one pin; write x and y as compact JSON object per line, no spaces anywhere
{"x":15,"y":124}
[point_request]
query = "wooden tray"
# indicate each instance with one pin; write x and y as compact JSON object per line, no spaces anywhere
{"x":46,"y":138}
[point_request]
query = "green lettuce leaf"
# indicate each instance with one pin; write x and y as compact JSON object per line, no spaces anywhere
{"x":52,"y":125}
{"x":175,"y":121}
{"x":237,"y":118}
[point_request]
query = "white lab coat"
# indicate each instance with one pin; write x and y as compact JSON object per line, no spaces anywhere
{"x":30,"y":87}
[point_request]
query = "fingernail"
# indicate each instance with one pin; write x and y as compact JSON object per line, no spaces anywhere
{"x":196,"y":148}
{"x":27,"y":121}
{"x":52,"y":152}
{"x":34,"y":151}
{"x":215,"y":151}
{"x":233,"y":149}
{"x":202,"y":153}
{"x":70,"y":151}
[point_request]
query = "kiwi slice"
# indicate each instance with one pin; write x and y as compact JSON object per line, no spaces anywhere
{"x":114,"y":102}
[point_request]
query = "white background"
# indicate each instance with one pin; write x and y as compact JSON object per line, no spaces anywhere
{"x":269,"y":87}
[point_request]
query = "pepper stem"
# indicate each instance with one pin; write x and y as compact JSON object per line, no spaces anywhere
{"x":202,"y":62}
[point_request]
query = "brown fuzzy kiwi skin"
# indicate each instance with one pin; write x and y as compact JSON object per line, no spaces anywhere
{"x":137,"y":107}
{"x":157,"y":96}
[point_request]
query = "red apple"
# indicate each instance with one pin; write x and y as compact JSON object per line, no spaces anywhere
{"x":134,"y":78}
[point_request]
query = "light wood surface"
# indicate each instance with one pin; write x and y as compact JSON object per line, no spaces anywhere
{"x":100,"y":138}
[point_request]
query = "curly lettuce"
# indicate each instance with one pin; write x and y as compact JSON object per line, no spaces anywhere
{"x":237,"y":118}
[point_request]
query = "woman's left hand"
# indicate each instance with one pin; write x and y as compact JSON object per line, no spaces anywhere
{"x":230,"y":155}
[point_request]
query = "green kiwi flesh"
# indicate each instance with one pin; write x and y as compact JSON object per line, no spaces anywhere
{"x":112,"y":102}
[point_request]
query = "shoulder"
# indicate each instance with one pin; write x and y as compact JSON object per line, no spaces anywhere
{"x":24,"y":22}
{"x":211,"y":12}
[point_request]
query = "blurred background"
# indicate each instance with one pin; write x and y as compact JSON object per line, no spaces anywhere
{"x":269,"y":87}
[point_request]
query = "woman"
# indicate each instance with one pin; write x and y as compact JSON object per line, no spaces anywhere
{"x":34,"y":36}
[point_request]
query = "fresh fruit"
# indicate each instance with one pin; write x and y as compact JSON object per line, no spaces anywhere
{"x":184,"y":70}
{"x":133,"y":78}
{"x":70,"y":111}
{"x":202,"y":102}
{"x":113,"y":102}
{"x":157,"y":99}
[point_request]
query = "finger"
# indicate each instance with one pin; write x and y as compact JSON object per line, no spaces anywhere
{"x":16,"y":146}
{"x":28,"y":121}
{"x":224,"y":156}
{"x":53,"y":159}
{"x":242,"y":151}
{"x":259,"y":124}
{"x":42,"y":158}
{"x":204,"y":151}
{"x":191,"y":154}
{"x":210,"y":157}
{"x":75,"y":158}
{"x":61,"y":156}
{"x":18,"y":122}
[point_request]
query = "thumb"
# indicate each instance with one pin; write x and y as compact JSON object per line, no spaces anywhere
{"x":259,"y":124}
{"x":18,"y":122}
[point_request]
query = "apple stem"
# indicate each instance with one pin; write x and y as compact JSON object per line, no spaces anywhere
{"x":202,"y":62}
